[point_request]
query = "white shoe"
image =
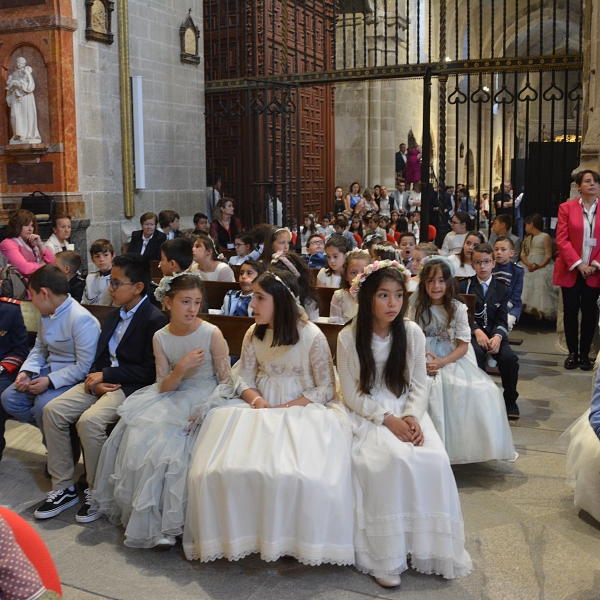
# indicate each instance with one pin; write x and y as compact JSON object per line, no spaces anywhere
{"x":168,"y":541}
{"x":389,"y":581}
{"x":491,"y":362}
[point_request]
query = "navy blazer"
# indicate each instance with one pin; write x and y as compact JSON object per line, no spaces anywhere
{"x":152,"y":251}
{"x":135,"y":353}
{"x":491,"y":311}
{"x":512,"y":275}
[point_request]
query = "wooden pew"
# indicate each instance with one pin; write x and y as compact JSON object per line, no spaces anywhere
{"x":156,"y":272}
{"x":234,"y":329}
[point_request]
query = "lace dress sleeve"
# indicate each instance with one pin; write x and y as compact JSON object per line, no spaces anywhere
{"x":336,"y":314}
{"x":220,"y":356}
{"x":348,"y":370}
{"x":312,"y":310}
{"x":247,"y":367}
{"x":461,"y":323}
{"x":416,"y":403}
{"x":163,"y":368}
{"x":321,"y":367}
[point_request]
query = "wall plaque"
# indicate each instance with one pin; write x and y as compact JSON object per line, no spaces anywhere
{"x":15,"y":3}
{"x":29,"y":174}
{"x":188,"y":36}
{"x":98,"y":20}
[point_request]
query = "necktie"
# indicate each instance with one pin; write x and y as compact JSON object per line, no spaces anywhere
{"x":241,"y":310}
{"x":484,"y":288}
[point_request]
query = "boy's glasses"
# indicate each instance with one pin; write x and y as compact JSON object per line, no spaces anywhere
{"x":239,"y":245}
{"x":482,"y":263}
{"x":114,"y":285}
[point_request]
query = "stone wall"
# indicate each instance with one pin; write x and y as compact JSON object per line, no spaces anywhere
{"x":173,"y":119}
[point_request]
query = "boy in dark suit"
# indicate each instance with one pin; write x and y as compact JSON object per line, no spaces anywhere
{"x":490,"y":326}
{"x":148,"y":240}
{"x":124,"y":363}
{"x":13,"y":351}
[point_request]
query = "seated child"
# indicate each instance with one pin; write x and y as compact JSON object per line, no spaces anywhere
{"x":336,"y":249}
{"x":141,"y":482}
{"x":253,"y":469}
{"x":406,"y":244}
{"x":341,"y":228}
{"x":315,"y":256}
{"x":502,"y":225}
{"x":310,"y":228}
{"x":405,"y":492}
{"x":176,"y":256}
{"x":373,"y":227}
{"x":169,"y":224}
{"x":201,"y":224}
{"x":237,"y":302}
{"x":385,"y":251}
{"x":96,"y":284}
{"x":462,"y":261}
{"x":296,"y":265}
{"x":277,"y":242}
{"x":370,"y":240}
{"x":13,"y":351}
{"x":489,"y":332}
{"x":583,"y":456}
{"x":413,"y":224}
{"x":465,"y":405}
{"x":512,"y":274}
{"x":63,"y":352}
{"x":326,"y":228}
{"x":69,"y":262}
{"x":540,"y":296}
{"x":420,"y":253}
{"x":124,"y":363}
{"x":244,"y":244}
{"x":206,"y":260}
{"x":343,"y":307}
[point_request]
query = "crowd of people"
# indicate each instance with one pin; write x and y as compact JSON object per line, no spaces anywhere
{"x":346,"y":465}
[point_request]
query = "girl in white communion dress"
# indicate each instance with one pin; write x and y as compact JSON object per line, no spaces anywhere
{"x":405,"y":493}
{"x":276,"y":480}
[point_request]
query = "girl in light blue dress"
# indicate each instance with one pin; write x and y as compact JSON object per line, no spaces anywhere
{"x":465,"y":405}
{"x":142,"y":473}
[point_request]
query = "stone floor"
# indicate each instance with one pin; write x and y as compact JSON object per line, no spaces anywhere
{"x":526,"y":538}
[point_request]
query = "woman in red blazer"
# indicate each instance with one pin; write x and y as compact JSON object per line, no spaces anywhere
{"x":577,"y":267}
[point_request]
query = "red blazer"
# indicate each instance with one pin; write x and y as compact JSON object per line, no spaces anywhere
{"x":569,"y":239}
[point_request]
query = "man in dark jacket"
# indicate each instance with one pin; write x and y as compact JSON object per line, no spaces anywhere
{"x":13,"y":351}
{"x":124,"y":363}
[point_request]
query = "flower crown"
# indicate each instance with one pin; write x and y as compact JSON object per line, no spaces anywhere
{"x":377,"y":266}
{"x":165,"y":283}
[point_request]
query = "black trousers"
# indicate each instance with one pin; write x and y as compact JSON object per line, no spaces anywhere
{"x":580,"y":297}
{"x":508,"y":365}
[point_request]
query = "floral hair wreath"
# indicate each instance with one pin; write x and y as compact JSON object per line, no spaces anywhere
{"x":165,"y":284}
{"x":439,"y":259}
{"x":377,"y":266}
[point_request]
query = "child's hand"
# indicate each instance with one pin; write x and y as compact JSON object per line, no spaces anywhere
{"x":91,"y":380}
{"x":22,"y":382}
{"x":434,"y":364}
{"x":400,"y":428}
{"x":39,"y":385}
{"x":262,"y":403}
{"x":494,"y":344}
{"x":192,"y":425}
{"x":104,"y":388}
{"x":482,"y":339}
{"x":417,"y":438}
{"x":192,"y":359}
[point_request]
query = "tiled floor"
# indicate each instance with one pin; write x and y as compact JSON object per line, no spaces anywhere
{"x":526,"y":539}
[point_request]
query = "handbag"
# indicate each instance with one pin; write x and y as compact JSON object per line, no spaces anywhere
{"x":40,"y":204}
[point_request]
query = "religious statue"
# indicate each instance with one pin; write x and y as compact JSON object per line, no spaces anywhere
{"x":20,"y":99}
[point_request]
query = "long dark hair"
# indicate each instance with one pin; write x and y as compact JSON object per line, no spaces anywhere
{"x":306,"y":281}
{"x":339,"y":242}
{"x":286,"y":316}
{"x":423,"y":307}
{"x":267,"y":253}
{"x":461,"y":254}
{"x":394,"y":372}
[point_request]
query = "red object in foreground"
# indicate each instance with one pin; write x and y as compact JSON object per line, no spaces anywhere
{"x":34,"y":548}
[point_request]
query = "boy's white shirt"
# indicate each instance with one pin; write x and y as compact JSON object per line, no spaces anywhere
{"x":96,"y":290}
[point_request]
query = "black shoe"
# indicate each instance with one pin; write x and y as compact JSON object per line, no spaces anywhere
{"x":58,"y":500}
{"x":585,"y":364}
{"x":571,"y":361}
{"x":87,"y":514}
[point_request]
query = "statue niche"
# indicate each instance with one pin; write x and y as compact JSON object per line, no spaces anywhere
{"x":21,"y":101}
{"x":98,"y":20}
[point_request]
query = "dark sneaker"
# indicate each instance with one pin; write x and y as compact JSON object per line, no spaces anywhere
{"x":58,"y":500}
{"x":87,"y":514}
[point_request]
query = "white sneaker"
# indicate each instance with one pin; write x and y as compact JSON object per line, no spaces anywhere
{"x":491,"y":362}
{"x":389,"y":581}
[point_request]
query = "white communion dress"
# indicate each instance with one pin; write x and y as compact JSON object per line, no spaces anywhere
{"x":406,"y":497}
{"x":343,"y":307}
{"x":275,"y":481}
{"x":465,"y":405}
{"x":583,"y":464}
{"x":142,"y":472}
{"x":539,"y":293}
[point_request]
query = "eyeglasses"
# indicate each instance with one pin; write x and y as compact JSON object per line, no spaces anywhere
{"x":317,"y":243}
{"x":482,"y":263}
{"x":455,"y":222}
{"x":114,"y":285}
{"x":239,"y":245}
